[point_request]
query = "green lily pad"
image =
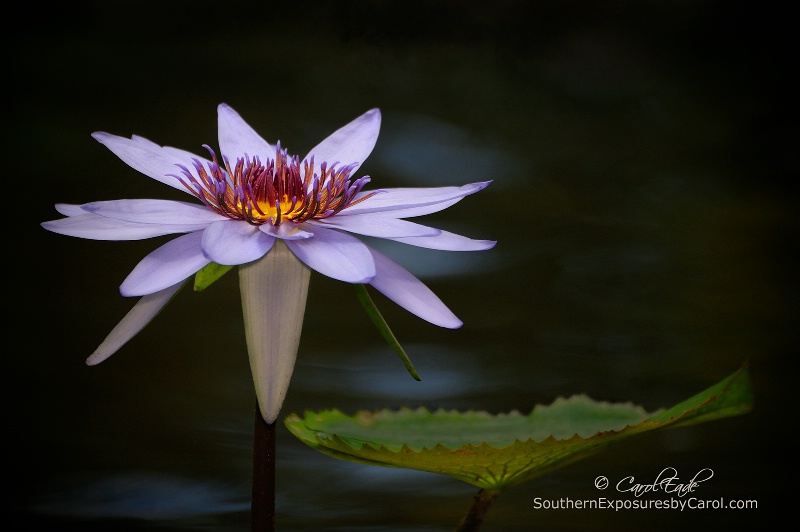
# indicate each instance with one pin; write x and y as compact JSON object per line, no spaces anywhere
{"x":494,"y":452}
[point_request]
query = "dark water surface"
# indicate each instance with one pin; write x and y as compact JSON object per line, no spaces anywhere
{"x":640,"y":199}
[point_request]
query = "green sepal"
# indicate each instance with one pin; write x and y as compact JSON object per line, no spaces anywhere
{"x":208,"y":275}
{"x":383,"y":327}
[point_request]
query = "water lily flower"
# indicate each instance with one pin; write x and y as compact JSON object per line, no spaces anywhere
{"x":277,"y":217}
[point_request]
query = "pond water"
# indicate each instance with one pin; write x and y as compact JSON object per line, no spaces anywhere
{"x":639,"y":200}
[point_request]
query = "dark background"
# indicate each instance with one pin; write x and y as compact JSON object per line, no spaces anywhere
{"x":644,"y":157}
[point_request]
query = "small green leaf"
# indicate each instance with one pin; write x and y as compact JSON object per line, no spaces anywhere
{"x":377,"y":318}
{"x":494,"y":452}
{"x":208,"y":275}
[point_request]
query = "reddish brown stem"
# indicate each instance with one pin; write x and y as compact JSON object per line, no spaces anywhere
{"x":263,"y":501}
{"x":477,"y":512}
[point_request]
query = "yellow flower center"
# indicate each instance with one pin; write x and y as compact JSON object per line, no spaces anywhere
{"x":274,"y":190}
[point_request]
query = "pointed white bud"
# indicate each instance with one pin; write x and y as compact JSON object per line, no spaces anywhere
{"x":274,"y":290}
